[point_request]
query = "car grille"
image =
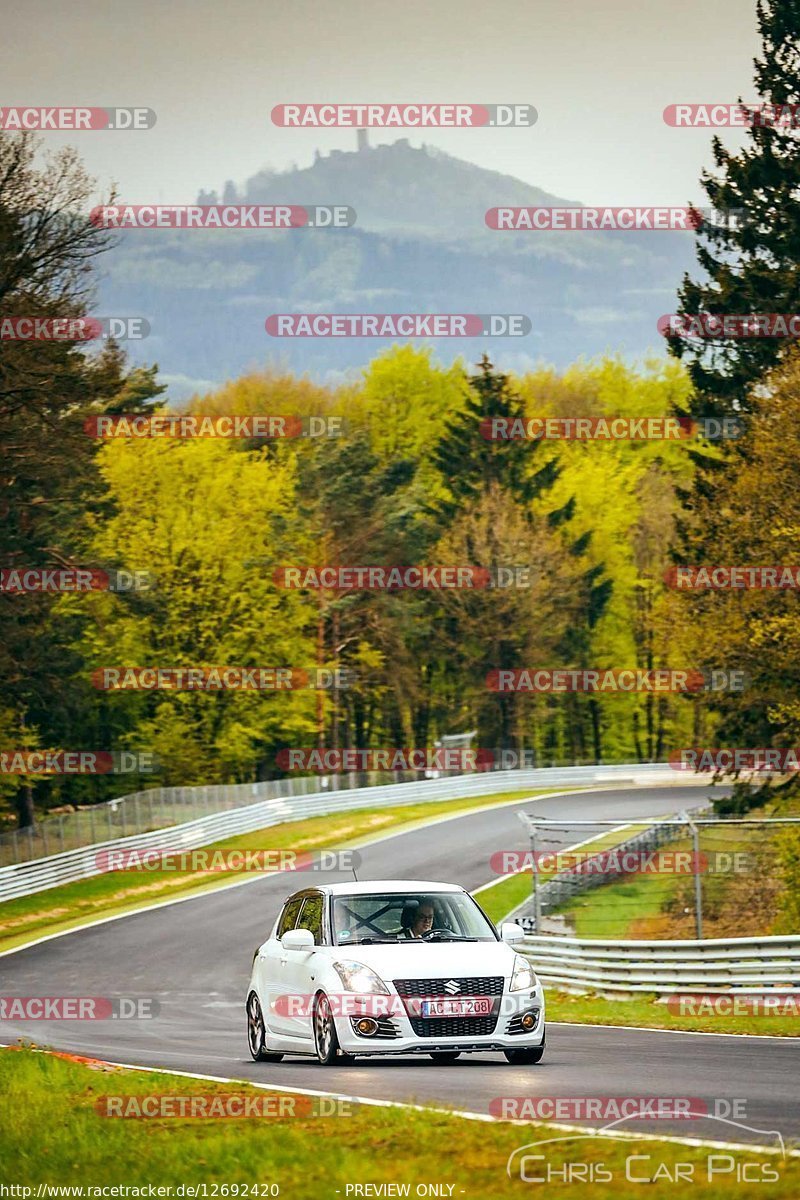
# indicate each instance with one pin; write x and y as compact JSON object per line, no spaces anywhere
{"x":477,"y":985}
{"x":453,"y":1026}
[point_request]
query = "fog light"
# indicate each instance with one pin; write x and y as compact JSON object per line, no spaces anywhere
{"x":528,"y":1020}
{"x":366,"y":1026}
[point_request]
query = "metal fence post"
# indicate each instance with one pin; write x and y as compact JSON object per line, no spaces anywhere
{"x":537,"y":899}
{"x":698,"y":885}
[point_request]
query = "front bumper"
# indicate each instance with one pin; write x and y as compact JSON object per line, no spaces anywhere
{"x":399,"y":1033}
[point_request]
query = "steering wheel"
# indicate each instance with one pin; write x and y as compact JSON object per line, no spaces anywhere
{"x":430,"y":932}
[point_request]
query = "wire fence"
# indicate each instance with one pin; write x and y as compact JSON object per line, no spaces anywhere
{"x":141,"y":812}
{"x":163,"y":808}
{"x":688,"y":876}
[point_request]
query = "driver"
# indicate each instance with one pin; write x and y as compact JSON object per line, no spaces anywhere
{"x":417,"y":918}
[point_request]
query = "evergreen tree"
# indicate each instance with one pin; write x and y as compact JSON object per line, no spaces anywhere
{"x":752,"y":261}
{"x":470,"y":463}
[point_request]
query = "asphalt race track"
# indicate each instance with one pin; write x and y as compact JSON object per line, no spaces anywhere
{"x":194,"y":958}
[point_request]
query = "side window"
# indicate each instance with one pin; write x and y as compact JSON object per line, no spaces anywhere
{"x":289,"y":916}
{"x":311,"y":917}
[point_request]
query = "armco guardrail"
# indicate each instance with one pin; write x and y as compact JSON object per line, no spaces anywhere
{"x":713,"y":965}
{"x":23,"y":878}
{"x":161,"y":808}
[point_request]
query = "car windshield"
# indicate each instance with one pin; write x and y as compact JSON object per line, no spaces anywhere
{"x":399,"y":917}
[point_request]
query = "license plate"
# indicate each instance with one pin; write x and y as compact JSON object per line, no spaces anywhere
{"x":464,"y":1006}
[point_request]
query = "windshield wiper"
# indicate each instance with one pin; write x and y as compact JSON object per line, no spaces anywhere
{"x":370,"y":941}
{"x":453,"y":937}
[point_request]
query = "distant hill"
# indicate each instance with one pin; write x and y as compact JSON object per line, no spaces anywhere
{"x":397,"y":188}
{"x":420,"y":244}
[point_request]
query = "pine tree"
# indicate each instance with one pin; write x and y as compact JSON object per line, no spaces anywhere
{"x":470,"y":464}
{"x":752,"y":260}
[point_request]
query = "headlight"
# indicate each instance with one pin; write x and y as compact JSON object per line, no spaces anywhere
{"x":357,"y":977}
{"x":522,"y":976}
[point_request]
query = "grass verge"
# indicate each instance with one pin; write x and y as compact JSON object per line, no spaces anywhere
{"x":115,"y":892}
{"x":315,"y":1156}
{"x":648,"y":1011}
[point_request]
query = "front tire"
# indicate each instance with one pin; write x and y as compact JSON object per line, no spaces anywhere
{"x":525,"y":1057}
{"x":326,"y":1041}
{"x":257,"y":1032}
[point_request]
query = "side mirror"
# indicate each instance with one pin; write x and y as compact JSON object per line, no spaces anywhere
{"x":298,"y":939}
{"x":511,"y":932}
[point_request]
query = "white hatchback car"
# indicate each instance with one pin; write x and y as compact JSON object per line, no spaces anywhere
{"x":393,"y":967}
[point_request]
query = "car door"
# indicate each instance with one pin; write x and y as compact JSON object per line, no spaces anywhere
{"x":271,"y":966}
{"x":300,"y":967}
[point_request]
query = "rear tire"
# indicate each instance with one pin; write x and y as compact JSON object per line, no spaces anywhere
{"x":525,"y":1057}
{"x":257,"y":1033}
{"x":445,"y":1056}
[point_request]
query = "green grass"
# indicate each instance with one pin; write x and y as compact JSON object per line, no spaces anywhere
{"x":647,"y":1010}
{"x":115,"y":892}
{"x":50,"y":1132}
{"x":607,"y":912}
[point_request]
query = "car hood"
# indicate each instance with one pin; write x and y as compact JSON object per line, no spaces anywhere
{"x":431,"y":960}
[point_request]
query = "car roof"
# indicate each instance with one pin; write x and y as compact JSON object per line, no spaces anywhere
{"x":382,"y":886}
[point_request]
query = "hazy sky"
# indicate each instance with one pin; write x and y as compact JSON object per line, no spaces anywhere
{"x":599,"y":72}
